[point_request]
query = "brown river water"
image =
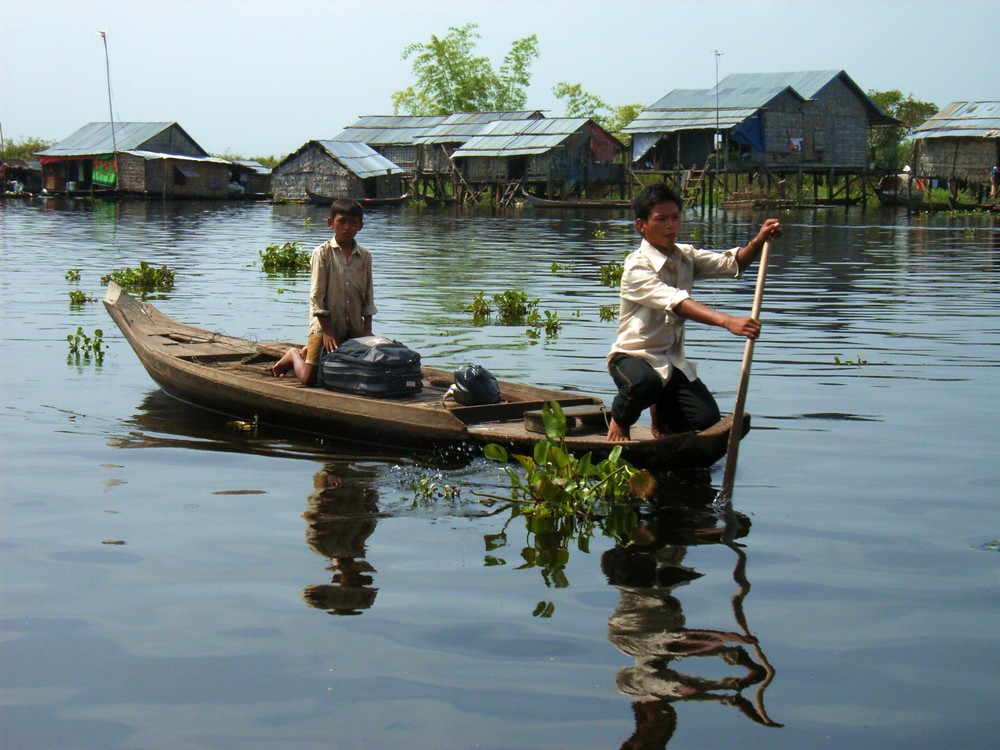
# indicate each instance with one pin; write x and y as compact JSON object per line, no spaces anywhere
{"x":172,"y":581}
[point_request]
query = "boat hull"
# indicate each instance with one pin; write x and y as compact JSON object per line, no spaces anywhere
{"x":233,"y":376}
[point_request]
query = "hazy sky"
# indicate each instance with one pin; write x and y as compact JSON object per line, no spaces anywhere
{"x":260,"y":78}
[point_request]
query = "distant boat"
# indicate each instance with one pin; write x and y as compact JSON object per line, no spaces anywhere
{"x":537,"y":202}
{"x":433,"y":200}
{"x":914,"y":201}
{"x":324,"y":200}
{"x":957,"y":205}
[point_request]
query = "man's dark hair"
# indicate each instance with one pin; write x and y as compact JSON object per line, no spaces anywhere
{"x":347,"y":207}
{"x":650,"y":196}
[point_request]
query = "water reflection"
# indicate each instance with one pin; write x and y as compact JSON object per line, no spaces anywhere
{"x":647,"y":565}
{"x":648,"y":569}
{"x":341,"y":514}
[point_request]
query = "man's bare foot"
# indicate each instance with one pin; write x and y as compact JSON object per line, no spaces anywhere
{"x":654,"y":423}
{"x":616,"y":434}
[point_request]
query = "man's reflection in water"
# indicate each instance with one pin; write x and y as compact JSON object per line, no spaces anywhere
{"x":341,"y":514}
{"x":649,"y":624}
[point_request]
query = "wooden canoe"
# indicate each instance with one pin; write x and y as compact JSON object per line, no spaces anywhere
{"x":601,"y":203}
{"x":325,"y":200}
{"x":233,"y":376}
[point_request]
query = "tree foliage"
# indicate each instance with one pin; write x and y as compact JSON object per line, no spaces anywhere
{"x":25,"y":148}
{"x":886,"y":145}
{"x":452,"y":78}
{"x":580,"y":103}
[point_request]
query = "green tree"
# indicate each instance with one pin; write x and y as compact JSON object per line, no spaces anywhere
{"x":886,"y":144}
{"x":26,"y":148}
{"x":452,"y":78}
{"x":580,"y":103}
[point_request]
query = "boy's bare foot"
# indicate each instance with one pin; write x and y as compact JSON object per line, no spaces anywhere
{"x":283,"y":365}
{"x":616,"y":434}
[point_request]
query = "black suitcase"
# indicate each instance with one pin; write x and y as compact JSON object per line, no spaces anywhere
{"x":371,"y":366}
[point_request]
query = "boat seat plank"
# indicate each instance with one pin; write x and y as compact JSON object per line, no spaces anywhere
{"x":589,"y":415}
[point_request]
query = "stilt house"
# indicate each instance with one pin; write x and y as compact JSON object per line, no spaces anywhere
{"x":392,"y":136}
{"x":771,"y":120}
{"x":961,"y":143}
{"x":555,"y":157}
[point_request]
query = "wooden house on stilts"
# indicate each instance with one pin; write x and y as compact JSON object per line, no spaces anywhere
{"x":960,"y":144}
{"x":755,"y":131}
{"x":557,"y":157}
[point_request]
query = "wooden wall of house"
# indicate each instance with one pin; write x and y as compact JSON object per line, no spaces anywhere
{"x":830,"y":130}
{"x":172,"y":141}
{"x":478,"y":169}
{"x":186,"y":179}
{"x":435,"y":158}
{"x":969,"y":159}
{"x":406,"y":157}
{"x":131,"y":173}
{"x":174,"y":178}
{"x":315,"y":170}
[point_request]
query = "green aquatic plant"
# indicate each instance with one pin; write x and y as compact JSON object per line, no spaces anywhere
{"x":76,"y":297}
{"x":427,"y":490}
{"x":85,"y":348}
{"x":563,"y":500}
{"x":144,"y":278}
{"x":73,"y":275}
{"x":550,"y":324}
{"x":512,"y":307}
{"x":609,"y":312}
{"x":554,"y":482}
{"x":611,"y":273}
{"x":480,"y":309}
{"x":248,"y":426}
{"x":286,"y":258}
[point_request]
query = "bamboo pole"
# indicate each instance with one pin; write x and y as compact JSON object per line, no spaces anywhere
{"x":736,"y":431}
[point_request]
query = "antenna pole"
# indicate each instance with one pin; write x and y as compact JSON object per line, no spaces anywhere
{"x":111,"y":113}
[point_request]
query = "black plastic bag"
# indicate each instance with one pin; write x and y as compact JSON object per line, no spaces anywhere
{"x":475,"y":385}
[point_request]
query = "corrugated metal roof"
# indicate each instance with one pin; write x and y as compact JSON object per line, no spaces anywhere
{"x":95,"y":138}
{"x":458,"y":128}
{"x":386,"y":130}
{"x":254,"y":166}
{"x":154,"y":155}
{"x":521,"y":137}
{"x":360,"y":159}
{"x":962,"y":120}
{"x":738,"y":97}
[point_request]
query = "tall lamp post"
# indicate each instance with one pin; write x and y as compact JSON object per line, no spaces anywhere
{"x":111,"y":114}
{"x":718,"y":133}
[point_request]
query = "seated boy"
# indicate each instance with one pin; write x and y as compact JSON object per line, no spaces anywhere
{"x":647,"y":360}
{"x":341,"y":296}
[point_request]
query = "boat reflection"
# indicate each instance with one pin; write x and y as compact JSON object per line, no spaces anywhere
{"x":341,"y":514}
{"x":648,"y":568}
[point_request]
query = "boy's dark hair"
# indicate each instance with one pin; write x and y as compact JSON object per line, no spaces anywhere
{"x":347,"y":207}
{"x":650,"y":196}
